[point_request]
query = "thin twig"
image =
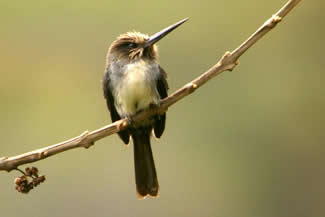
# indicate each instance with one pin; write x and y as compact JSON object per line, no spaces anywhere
{"x":21,"y":171}
{"x":87,"y":139}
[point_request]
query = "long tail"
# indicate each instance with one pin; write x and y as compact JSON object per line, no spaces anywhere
{"x":145,"y":171}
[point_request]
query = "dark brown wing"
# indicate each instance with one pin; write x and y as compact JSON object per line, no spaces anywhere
{"x":124,"y":135}
{"x":162,"y":87}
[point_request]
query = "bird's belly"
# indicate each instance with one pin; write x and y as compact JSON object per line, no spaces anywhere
{"x":136,"y":92}
{"x":134,"y":97}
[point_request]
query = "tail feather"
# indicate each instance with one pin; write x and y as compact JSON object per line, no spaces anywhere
{"x":145,"y":171}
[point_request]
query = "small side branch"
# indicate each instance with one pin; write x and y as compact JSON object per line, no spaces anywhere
{"x":227,"y":63}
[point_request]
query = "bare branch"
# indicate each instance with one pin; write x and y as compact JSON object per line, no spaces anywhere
{"x":87,"y":139}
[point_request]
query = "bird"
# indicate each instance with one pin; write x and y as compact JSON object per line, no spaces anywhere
{"x":134,"y":81}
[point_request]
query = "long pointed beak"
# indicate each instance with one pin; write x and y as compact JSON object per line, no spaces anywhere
{"x":159,"y":35}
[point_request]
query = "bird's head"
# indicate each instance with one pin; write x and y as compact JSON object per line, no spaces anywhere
{"x":135,"y":45}
{"x":131,"y":45}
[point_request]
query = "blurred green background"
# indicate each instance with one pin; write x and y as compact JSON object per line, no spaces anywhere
{"x":248,"y":143}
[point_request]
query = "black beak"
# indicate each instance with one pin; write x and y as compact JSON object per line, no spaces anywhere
{"x":159,"y":35}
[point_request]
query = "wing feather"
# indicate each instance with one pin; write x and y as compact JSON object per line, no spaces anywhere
{"x":162,"y":87}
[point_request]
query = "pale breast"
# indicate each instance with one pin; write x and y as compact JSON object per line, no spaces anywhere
{"x":137,"y":88}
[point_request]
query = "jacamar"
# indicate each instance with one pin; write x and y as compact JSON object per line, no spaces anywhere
{"x":133,"y":81}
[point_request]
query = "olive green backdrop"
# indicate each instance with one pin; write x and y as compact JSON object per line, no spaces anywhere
{"x":250,"y":143}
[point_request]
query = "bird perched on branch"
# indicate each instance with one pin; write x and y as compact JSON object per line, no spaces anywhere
{"x":133,"y":81}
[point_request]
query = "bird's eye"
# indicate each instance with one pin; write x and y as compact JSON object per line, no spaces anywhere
{"x":132,"y":45}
